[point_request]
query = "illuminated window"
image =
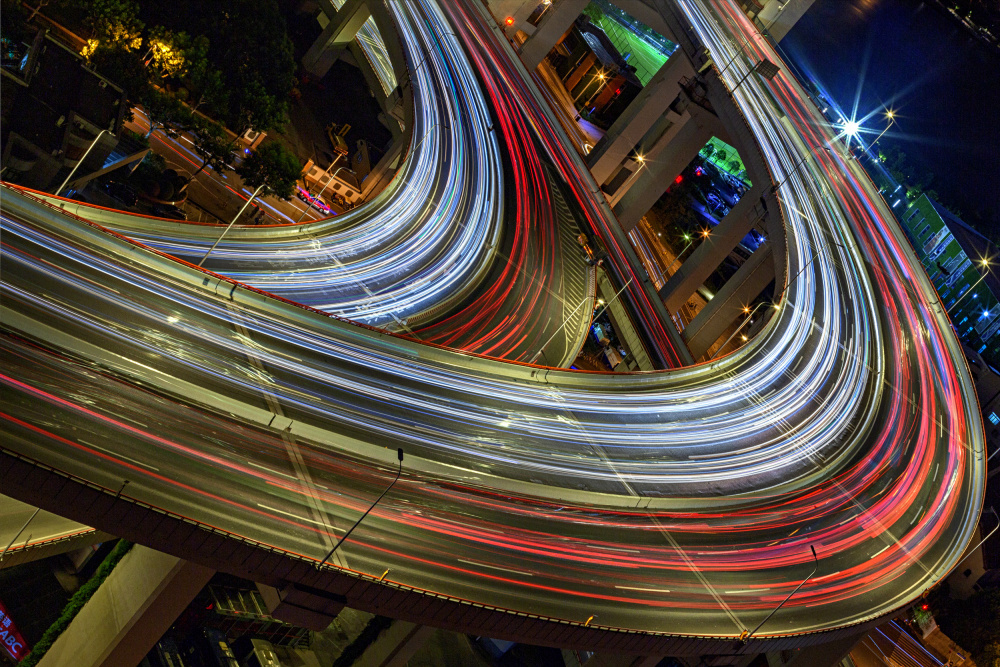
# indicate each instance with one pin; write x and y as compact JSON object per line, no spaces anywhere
{"x":994,"y":419}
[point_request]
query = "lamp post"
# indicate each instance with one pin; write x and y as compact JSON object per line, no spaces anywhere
{"x":599,"y":75}
{"x":622,"y":189}
{"x":985,"y":263}
{"x":14,"y":539}
{"x":399,"y":454}
{"x":77,"y":165}
{"x":229,"y":226}
{"x":325,"y":186}
{"x":687,"y":237}
{"x":749,"y":318}
{"x":597,"y":92}
{"x":746,"y":41}
{"x":747,"y":634}
{"x":892,"y":118}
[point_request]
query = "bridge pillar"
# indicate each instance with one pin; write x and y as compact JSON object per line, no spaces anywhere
{"x":745,"y":286}
{"x":395,"y":646}
{"x":780,"y":16}
{"x":554,"y":24}
{"x":821,"y":655}
{"x":668,"y":155}
{"x":621,"y":660}
{"x":707,"y":257}
{"x":129,"y":612}
{"x":639,"y":117}
{"x":337,"y":36}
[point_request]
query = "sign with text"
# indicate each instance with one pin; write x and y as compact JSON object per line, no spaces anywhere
{"x":10,"y":638}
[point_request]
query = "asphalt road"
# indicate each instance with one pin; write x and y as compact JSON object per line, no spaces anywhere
{"x":682,"y":502}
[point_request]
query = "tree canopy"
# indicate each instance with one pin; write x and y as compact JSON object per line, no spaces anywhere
{"x":273,"y":167}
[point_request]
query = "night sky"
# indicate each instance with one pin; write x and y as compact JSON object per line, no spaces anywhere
{"x":943,"y":84}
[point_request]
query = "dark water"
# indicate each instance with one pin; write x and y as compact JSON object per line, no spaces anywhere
{"x":943,"y":84}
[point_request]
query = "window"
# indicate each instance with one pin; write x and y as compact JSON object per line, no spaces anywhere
{"x":994,"y":419}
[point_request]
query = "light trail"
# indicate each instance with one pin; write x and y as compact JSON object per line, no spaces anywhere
{"x":652,"y":502}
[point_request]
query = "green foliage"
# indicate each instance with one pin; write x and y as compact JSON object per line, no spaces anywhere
{"x":76,"y":603}
{"x":165,"y":110}
{"x":594,"y":13}
{"x":13,"y":26}
{"x":974,"y":624}
{"x":273,"y":167}
{"x":121,"y":65}
{"x":166,"y":51}
{"x":248,"y":46}
{"x":213,"y":145}
{"x":115,"y":21}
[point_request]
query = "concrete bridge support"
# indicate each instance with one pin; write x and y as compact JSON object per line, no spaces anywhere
{"x":395,"y":646}
{"x":780,"y":16}
{"x":554,"y":24}
{"x":337,"y":36}
{"x":665,"y":159}
{"x":726,"y":306}
{"x":707,"y":257}
{"x":639,"y":117}
{"x":130,"y":611}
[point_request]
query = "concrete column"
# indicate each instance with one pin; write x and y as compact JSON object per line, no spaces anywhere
{"x":638,"y":117}
{"x":519,"y":12}
{"x":554,"y":24}
{"x":822,"y":655}
{"x":130,"y":611}
{"x":740,"y":290}
{"x":395,"y":646}
{"x":620,"y":660}
{"x":577,"y":75}
{"x":780,"y":16}
{"x":666,"y":160}
{"x":707,"y":257}
{"x":338,"y":34}
{"x":302,"y":605}
{"x":385,"y":22}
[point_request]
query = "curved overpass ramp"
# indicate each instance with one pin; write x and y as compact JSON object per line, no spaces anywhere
{"x":661,"y":513}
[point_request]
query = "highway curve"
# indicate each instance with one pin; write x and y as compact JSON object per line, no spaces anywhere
{"x":682,"y":502}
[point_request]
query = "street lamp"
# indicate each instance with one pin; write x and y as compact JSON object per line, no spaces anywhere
{"x":230,"y":225}
{"x":746,"y":41}
{"x":892,"y":117}
{"x":399,"y":454}
{"x":985,"y":263}
{"x":77,"y":165}
{"x":599,"y":75}
{"x":687,"y":237}
{"x":325,"y":186}
{"x":622,"y":189}
{"x":597,"y":92}
{"x":749,"y":313}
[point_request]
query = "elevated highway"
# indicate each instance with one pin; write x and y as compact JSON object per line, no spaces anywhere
{"x":665,"y":513}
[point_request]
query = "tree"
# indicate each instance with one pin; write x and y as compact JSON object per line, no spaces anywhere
{"x":272,"y":169}
{"x":165,"y":110}
{"x":115,"y":21}
{"x":213,"y":146}
{"x":707,"y":150}
{"x":204,"y":83}
{"x":121,"y":65}
{"x":974,"y":624}
{"x":13,"y":27}
{"x":166,"y":51}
